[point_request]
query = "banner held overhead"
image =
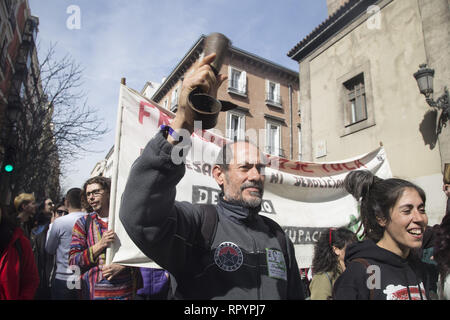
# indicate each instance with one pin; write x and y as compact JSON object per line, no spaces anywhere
{"x":305,"y":198}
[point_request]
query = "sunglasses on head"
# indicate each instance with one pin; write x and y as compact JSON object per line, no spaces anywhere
{"x":62,"y":212}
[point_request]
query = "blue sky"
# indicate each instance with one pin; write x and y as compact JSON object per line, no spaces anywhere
{"x":143,"y":40}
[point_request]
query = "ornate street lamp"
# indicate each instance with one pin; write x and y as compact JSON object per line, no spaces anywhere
{"x":424,"y":77}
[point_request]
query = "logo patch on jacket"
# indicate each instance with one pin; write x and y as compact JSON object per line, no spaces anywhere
{"x":400,"y":292}
{"x":228,"y":256}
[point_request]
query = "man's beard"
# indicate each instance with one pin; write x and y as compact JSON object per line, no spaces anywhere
{"x":252,"y":203}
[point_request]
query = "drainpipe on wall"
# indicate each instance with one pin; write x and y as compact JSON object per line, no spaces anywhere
{"x":291,"y":137}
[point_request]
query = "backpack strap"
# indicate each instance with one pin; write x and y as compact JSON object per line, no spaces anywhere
{"x":366,"y":264}
{"x":87,"y":224}
{"x":210,"y":219}
{"x":280,"y":235}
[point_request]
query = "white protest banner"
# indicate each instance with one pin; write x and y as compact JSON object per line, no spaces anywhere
{"x":304,"y":198}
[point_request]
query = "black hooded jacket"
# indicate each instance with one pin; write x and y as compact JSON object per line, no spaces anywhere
{"x":394,"y":278}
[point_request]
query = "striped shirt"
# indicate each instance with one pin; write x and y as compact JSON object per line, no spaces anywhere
{"x":93,"y":284}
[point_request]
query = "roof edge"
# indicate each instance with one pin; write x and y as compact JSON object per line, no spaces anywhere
{"x":330,"y":27}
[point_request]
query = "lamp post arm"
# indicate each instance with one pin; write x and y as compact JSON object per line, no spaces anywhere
{"x":443,"y":103}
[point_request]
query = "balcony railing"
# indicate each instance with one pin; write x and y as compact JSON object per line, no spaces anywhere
{"x":30,"y":32}
{"x":273,"y":100}
{"x":23,"y":63}
{"x":275,"y":151}
{"x":235,"y":87}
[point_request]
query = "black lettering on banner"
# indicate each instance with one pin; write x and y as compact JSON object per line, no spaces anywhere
{"x":304,"y":235}
{"x":207,"y":195}
{"x":204,"y":195}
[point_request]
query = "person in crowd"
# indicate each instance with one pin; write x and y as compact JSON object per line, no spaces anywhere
{"x":44,"y":260}
{"x":442,"y":258}
{"x":44,"y":213}
{"x":61,"y":210}
{"x":223,"y":251}
{"x":446,"y":186}
{"x":90,"y":238}
{"x":58,"y":242}
{"x":384,"y":266}
{"x":25,"y":205}
{"x":328,"y":261}
{"x":49,"y":208}
{"x":19,"y":277}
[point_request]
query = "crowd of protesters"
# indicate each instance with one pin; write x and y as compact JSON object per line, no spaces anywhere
{"x":58,"y":251}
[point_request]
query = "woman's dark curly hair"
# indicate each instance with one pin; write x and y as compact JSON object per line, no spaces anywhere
{"x":378,"y":196}
{"x":441,"y":250}
{"x":325,"y":260}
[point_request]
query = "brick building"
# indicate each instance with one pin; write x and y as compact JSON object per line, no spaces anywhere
{"x":20,"y":85}
{"x":266,"y":95}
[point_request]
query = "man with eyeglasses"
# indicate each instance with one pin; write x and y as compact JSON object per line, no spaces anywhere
{"x":58,"y":242}
{"x":90,"y":238}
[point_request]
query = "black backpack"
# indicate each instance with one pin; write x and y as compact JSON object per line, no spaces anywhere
{"x":210,"y":218}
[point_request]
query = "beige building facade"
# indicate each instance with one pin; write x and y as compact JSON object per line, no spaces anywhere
{"x":357,"y":88}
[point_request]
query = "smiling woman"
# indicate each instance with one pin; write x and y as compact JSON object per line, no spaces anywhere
{"x":394,"y":220}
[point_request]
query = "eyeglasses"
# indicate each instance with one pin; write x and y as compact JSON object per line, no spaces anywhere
{"x":95,"y":193}
{"x":62,"y":212}
{"x":49,"y":203}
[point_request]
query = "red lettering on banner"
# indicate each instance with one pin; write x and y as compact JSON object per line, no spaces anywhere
{"x":282,"y":162}
{"x":359,"y":164}
{"x":304,"y":166}
{"x":336,"y":167}
{"x":163,"y":119}
{"x":349,"y":169}
{"x":142,"y":112}
{"x":301,"y":166}
{"x":324,"y":167}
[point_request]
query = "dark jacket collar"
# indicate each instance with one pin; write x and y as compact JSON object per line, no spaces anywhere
{"x":235,"y":212}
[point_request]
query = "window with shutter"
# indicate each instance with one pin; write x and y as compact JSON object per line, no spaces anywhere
{"x":356,"y":100}
{"x":273,"y":96}
{"x":174,"y":100}
{"x":235,"y":126}
{"x":273,"y":136}
{"x":237,"y":81}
